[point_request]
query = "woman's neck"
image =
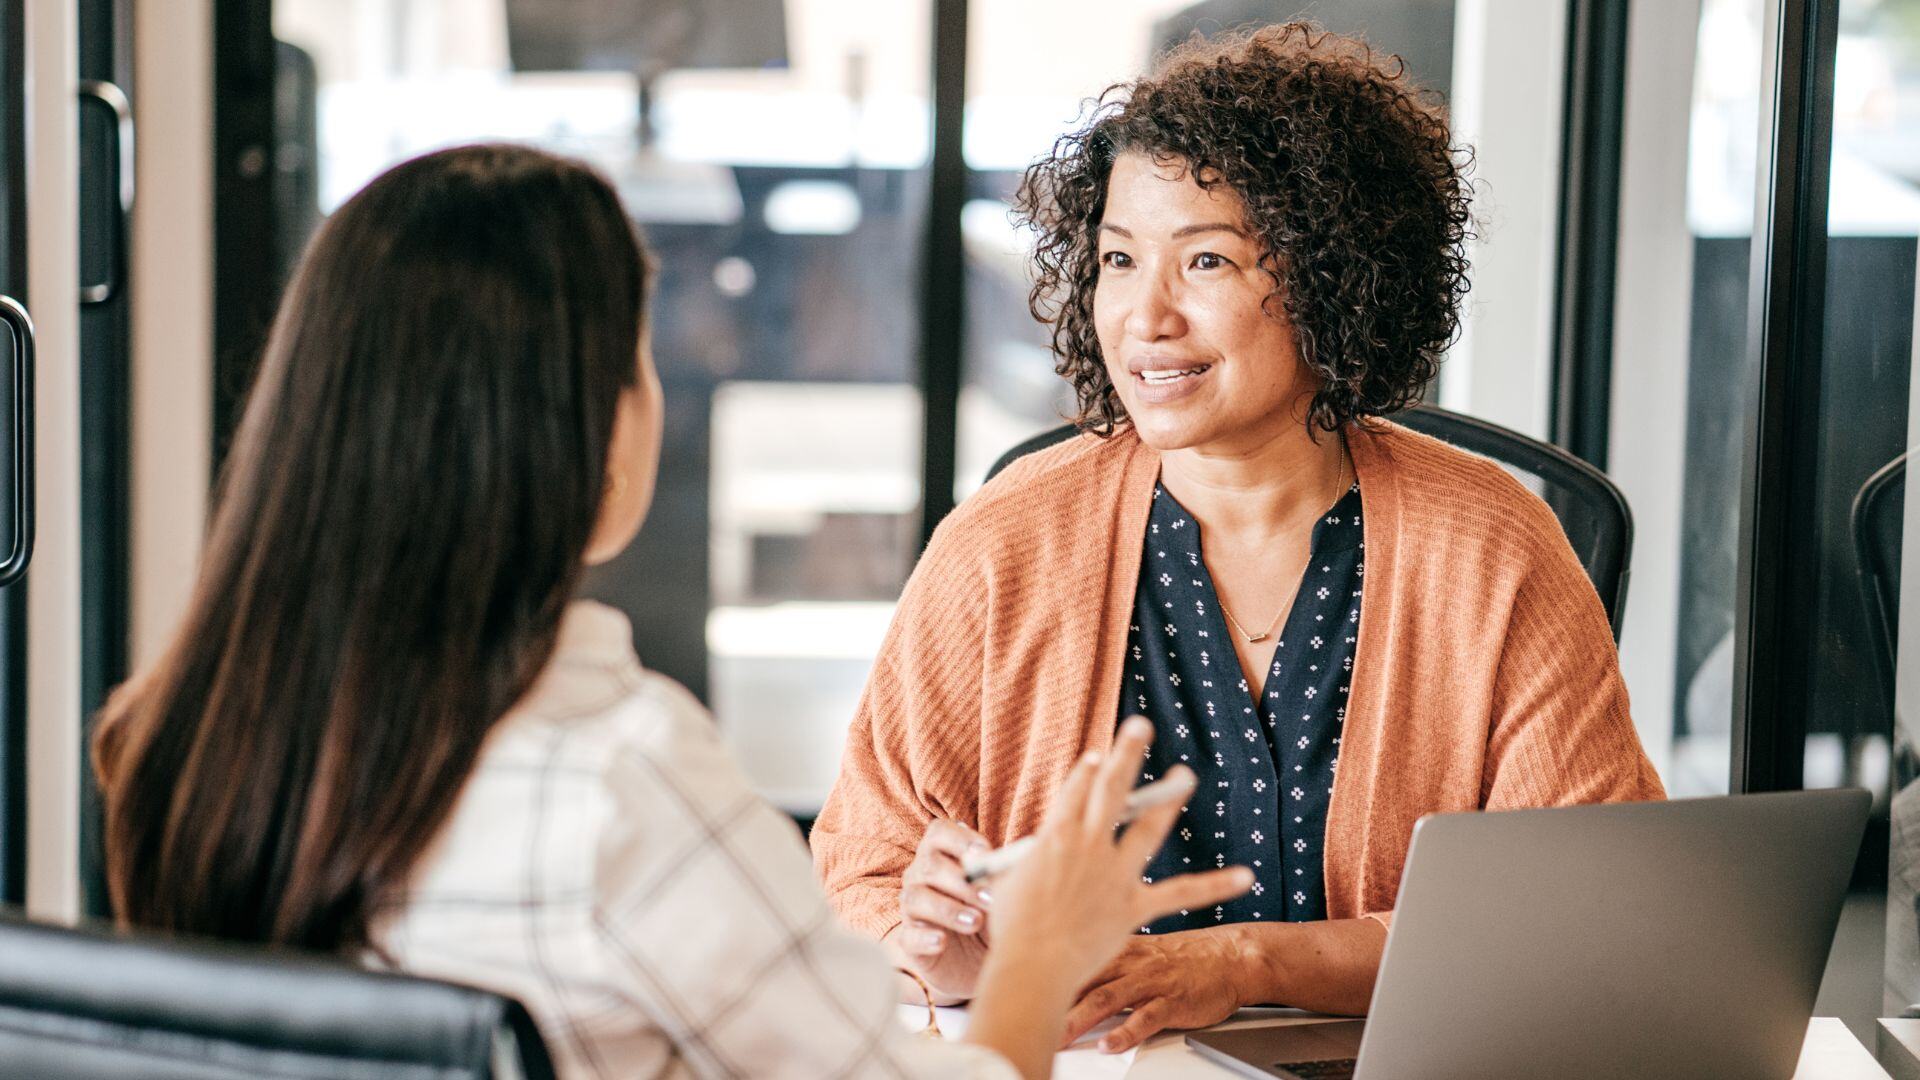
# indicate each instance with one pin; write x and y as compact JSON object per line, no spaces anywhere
{"x":1251,"y":493}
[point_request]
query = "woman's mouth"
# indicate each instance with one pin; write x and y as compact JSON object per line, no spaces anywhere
{"x":1160,"y":386}
{"x":1168,"y":376}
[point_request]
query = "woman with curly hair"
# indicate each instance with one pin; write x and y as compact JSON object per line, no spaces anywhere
{"x":1249,"y":259}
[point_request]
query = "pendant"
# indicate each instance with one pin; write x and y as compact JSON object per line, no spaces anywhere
{"x":1251,"y":638}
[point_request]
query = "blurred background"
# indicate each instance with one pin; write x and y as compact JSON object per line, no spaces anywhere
{"x":778,"y":154}
{"x":779,"y":157}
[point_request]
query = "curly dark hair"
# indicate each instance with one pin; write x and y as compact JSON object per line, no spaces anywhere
{"x":1351,"y":183}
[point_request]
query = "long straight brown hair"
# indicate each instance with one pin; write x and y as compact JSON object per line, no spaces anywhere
{"x":400,"y":525}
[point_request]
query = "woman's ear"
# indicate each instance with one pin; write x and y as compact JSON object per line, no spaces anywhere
{"x":633,"y":460}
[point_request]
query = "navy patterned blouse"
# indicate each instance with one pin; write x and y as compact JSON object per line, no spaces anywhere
{"x":1265,"y":757}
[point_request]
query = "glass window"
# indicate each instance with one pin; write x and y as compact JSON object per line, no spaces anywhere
{"x":774,"y":152}
{"x":1860,"y":726}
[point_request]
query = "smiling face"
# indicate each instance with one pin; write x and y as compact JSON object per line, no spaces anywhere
{"x":1197,"y":356}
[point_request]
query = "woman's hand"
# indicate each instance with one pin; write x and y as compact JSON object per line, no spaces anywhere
{"x":1182,"y":980}
{"x":1073,"y":902}
{"x":1197,"y":978}
{"x":943,"y":920}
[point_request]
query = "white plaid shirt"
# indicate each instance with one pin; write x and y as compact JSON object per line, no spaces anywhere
{"x":608,"y":866}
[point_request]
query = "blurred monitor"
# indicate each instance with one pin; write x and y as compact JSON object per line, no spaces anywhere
{"x":645,"y":36}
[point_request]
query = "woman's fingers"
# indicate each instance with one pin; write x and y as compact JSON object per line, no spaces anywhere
{"x":948,"y":878}
{"x":1148,"y":831}
{"x":920,"y":940}
{"x":1147,"y":1020}
{"x":950,"y":838}
{"x":1118,"y":774}
{"x":936,"y":909}
{"x":935,"y":888}
{"x":1189,"y":891}
{"x":1070,"y":804}
{"x":1098,"y":1004}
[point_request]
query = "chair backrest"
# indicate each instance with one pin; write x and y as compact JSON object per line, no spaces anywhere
{"x":1879,"y":511}
{"x":89,"y":1003}
{"x":1592,"y":511}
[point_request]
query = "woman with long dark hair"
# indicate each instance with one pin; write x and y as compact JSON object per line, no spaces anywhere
{"x":386,"y":729}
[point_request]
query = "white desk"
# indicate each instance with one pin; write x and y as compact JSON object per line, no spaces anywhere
{"x":1830,"y":1053}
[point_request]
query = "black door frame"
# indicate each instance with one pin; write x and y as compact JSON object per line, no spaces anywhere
{"x":13,"y":599}
{"x":1774,"y":613}
{"x":1593,"y":118}
{"x":247,"y":260}
{"x":106,"y":144}
{"x":943,"y":297}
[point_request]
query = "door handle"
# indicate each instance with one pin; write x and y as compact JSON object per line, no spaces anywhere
{"x":19,"y":375}
{"x":110,"y":97}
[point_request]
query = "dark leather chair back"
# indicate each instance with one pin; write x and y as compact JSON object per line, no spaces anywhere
{"x":88,"y":1003}
{"x":1592,"y":511}
{"x":1878,"y":513}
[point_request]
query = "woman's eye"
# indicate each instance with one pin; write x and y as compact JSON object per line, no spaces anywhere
{"x":1118,"y":260}
{"x":1207,"y":260}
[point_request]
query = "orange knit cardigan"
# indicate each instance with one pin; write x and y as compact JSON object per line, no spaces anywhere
{"x":1485,"y":675}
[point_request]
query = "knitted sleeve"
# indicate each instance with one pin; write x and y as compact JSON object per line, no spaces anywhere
{"x":1561,"y":731}
{"x":912,"y":751}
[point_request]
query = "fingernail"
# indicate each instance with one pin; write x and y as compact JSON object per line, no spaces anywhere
{"x":1090,"y":758}
{"x":1109,"y":1044}
{"x":978,"y":847}
{"x":985,"y":897}
{"x":1136,"y":726}
{"x":932,"y":940}
{"x":968,"y":918}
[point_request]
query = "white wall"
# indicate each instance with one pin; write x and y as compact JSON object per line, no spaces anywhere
{"x":172,"y":272}
{"x":53,"y":582}
{"x":1509,"y":69}
{"x":1653,"y":291}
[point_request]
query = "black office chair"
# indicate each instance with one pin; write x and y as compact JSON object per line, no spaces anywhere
{"x":1879,"y":510}
{"x":86,"y":1003}
{"x":1592,"y":511}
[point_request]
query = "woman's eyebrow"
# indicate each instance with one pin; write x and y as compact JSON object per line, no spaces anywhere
{"x":1210,"y":226}
{"x":1183,"y":231}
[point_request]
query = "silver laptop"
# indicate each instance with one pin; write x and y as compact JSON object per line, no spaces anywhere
{"x":1681,"y":939}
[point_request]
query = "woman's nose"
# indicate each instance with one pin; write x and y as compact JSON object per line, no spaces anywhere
{"x":1154,"y":314}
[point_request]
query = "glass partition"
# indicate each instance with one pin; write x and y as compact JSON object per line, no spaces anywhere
{"x":1860,"y":729}
{"x":1682,"y":382}
{"x":774,"y":152}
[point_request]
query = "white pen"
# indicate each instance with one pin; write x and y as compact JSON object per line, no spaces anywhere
{"x":1001,"y":859}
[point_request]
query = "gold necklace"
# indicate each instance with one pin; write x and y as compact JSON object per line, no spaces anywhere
{"x":1268,"y":632}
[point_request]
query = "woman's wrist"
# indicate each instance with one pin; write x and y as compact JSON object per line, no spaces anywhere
{"x":1326,"y":966}
{"x":1027,"y":967}
{"x":1255,"y":961}
{"x":1021,"y":1008}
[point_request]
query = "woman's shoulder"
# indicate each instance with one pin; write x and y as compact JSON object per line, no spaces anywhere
{"x":589,"y":712}
{"x":1037,"y":499}
{"x":649,"y":718}
{"x":1445,"y":492}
